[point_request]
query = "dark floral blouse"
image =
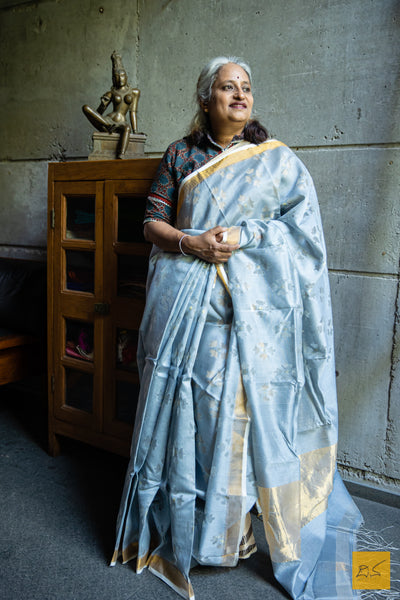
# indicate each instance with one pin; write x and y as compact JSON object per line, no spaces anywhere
{"x":179,"y":160}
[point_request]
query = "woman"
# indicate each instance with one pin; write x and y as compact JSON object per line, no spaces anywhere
{"x":238,"y":400}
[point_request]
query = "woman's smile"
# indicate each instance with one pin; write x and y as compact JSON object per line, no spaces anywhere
{"x":239,"y":105}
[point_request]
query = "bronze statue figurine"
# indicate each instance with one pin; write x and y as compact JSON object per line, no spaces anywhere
{"x":124,"y":99}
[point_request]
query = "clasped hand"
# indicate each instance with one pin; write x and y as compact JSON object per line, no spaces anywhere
{"x":209,"y":246}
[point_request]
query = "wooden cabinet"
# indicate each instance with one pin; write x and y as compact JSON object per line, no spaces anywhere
{"x":97,"y":266}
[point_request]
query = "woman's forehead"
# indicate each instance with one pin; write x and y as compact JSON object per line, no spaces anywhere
{"x":232,"y":71}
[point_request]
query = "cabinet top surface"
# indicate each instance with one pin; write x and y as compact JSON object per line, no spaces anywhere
{"x":135,"y":168}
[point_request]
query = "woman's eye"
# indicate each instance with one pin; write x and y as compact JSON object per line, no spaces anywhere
{"x":227,"y":87}
{"x":246,"y":90}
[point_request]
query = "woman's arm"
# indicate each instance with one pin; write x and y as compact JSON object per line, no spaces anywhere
{"x":208,"y":246}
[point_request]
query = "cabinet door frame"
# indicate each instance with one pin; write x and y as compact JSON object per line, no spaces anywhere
{"x":77,"y":306}
{"x":126,"y":312}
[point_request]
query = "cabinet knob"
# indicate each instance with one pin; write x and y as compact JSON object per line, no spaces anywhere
{"x":101,"y":308}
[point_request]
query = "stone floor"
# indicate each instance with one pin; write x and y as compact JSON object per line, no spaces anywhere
{"x":57,"y":518}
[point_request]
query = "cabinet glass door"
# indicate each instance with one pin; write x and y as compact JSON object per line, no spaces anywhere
{"x":78,"y":390}
{"x":80,"y":217}
{"x":79,"y":346}
{"x":129,"y":245}
{"x":79,"y":271}
{"x":78,"y":280}
{"x":126,"y":381}
{"x":126,"y":261}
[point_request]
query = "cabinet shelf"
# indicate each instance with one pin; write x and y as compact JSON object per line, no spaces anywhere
{"x":84,"y":245}
{"x":79,"y":365}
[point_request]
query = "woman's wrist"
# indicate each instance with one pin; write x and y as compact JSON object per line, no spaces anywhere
{"x":183,"y":247}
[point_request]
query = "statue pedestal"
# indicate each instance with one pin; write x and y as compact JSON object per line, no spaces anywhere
{"x":105,"y":146}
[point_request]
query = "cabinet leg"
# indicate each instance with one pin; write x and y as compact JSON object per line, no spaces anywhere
{"x":54,"y":444}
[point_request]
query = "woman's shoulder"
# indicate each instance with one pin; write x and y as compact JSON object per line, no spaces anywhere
{"x":177,"y":145}
{"x":273,"y":149}
{"x":272,"y":143}
{"x":284,"y":159}
{"x":183,"y":150}
{"x":279,"y":155}
{"x":280,"y":148}
{"x":176,"y":149}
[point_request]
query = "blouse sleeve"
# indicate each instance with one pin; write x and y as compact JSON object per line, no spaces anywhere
{"x":162,"y":200}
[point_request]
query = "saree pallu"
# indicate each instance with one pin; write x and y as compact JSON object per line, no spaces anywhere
{"x":238,"y":399}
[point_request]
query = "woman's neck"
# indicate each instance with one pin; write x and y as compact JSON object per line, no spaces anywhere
{"x":223,"y":138}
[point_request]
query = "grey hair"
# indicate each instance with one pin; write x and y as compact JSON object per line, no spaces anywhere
{"x":205,"y":83}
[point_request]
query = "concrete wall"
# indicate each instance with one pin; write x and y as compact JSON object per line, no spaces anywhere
{"x":325,"y":76}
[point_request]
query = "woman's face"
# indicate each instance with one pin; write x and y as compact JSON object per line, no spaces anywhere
{"x":231,"y":100}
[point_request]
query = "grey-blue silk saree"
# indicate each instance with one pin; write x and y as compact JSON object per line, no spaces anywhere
{"x":238,"y":400}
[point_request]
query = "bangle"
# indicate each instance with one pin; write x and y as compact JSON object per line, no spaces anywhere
{"x":180,"y":244}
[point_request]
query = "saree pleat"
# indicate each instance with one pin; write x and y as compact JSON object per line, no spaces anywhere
{"x":238,"y":399}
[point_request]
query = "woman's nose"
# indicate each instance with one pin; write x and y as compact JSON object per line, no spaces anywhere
{"x":239,"y":93}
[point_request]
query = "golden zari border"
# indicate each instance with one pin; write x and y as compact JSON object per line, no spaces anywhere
{"x":289,"y":507}
{"x":237,"y":477}
{"x":232,"y":235}
{"x":223,"y":160}
{"x":141,"y":563}
{"x":223,"y":277}
{"x":247,"y":545}
{"x":237,"y":467}
{"x":171,"y":575}
{"x":129,"y":552}
{"x":317,"y":469}
{"x":232,"y":238}
{"x":281,"y":517}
